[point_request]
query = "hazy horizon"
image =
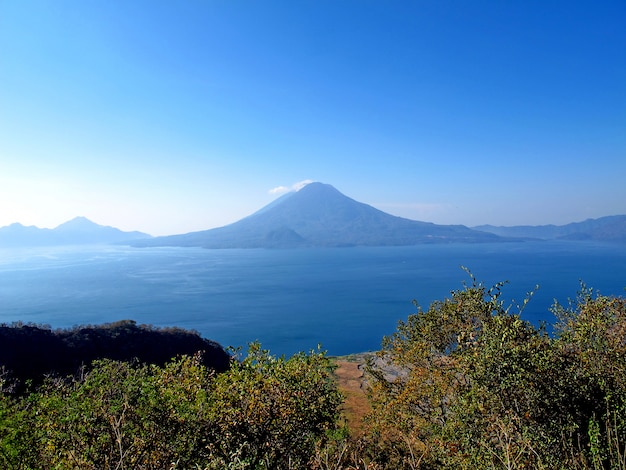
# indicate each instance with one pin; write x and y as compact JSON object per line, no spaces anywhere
{"x":176,"y":117}
{"x":277,"y":190}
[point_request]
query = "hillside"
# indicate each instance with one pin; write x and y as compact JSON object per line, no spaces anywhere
{"x":29,"y":352}
{"x":611,"y":228}
{"x":319,"y":215}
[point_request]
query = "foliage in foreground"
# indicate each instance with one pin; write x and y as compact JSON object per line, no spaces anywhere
{"x":481,"y":388}
{"x":465,"y":384}
{"x":265,"y":412}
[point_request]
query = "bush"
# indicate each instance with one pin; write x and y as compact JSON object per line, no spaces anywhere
{"x":477,"y":386}
{"x":265,"y":412}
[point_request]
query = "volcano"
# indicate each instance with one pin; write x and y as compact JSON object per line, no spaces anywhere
{"x":318,"y":215}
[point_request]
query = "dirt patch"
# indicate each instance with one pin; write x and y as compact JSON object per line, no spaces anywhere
{"x":351,"y":382}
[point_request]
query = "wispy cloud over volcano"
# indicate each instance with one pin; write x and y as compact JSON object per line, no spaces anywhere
{"x":286,"y":189}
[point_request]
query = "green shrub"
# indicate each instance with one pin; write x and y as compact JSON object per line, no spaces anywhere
{"x":477,"y":386}
{"x":265,"y":412}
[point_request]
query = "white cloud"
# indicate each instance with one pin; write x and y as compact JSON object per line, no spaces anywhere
{"x":279,"y":190}
{"x":301,"y":184}
{"x":294,"y":187}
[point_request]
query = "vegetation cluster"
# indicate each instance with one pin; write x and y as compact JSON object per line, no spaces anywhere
{"x":264,"y":412}
{"x":30,"y":352}
{"x":483,"y":388}
{"x":473,"y":386}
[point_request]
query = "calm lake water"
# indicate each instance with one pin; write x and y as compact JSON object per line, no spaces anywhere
{"x":347,"y":299}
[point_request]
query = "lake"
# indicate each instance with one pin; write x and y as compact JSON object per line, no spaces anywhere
{"x":345,"y":299}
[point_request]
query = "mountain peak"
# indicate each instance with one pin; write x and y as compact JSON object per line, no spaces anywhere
{"x":314,"y":184}
{"x":78,"y":223}
{"x":320,"y":215}
{"x":318,"y":187}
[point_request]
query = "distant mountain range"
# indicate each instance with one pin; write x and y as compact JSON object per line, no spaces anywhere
{"x":78,"y":231}
{"x":317,"y":215}
{"x":611,"y":228}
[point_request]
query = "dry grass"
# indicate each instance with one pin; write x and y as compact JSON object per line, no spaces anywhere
{"x":351,"y":383}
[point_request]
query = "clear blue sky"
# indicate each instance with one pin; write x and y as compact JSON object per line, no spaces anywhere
{"x":173,"y":116}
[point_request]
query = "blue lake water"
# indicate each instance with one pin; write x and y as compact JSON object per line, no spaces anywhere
{"x":347,"y":299}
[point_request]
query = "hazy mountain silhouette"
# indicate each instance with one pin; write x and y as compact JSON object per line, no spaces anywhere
{"x":319,"y":215}
{"x":78,"y":231}
{"x":611,"y":228}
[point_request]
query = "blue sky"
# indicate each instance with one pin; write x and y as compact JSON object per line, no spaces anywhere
{"x":168,"y":116}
